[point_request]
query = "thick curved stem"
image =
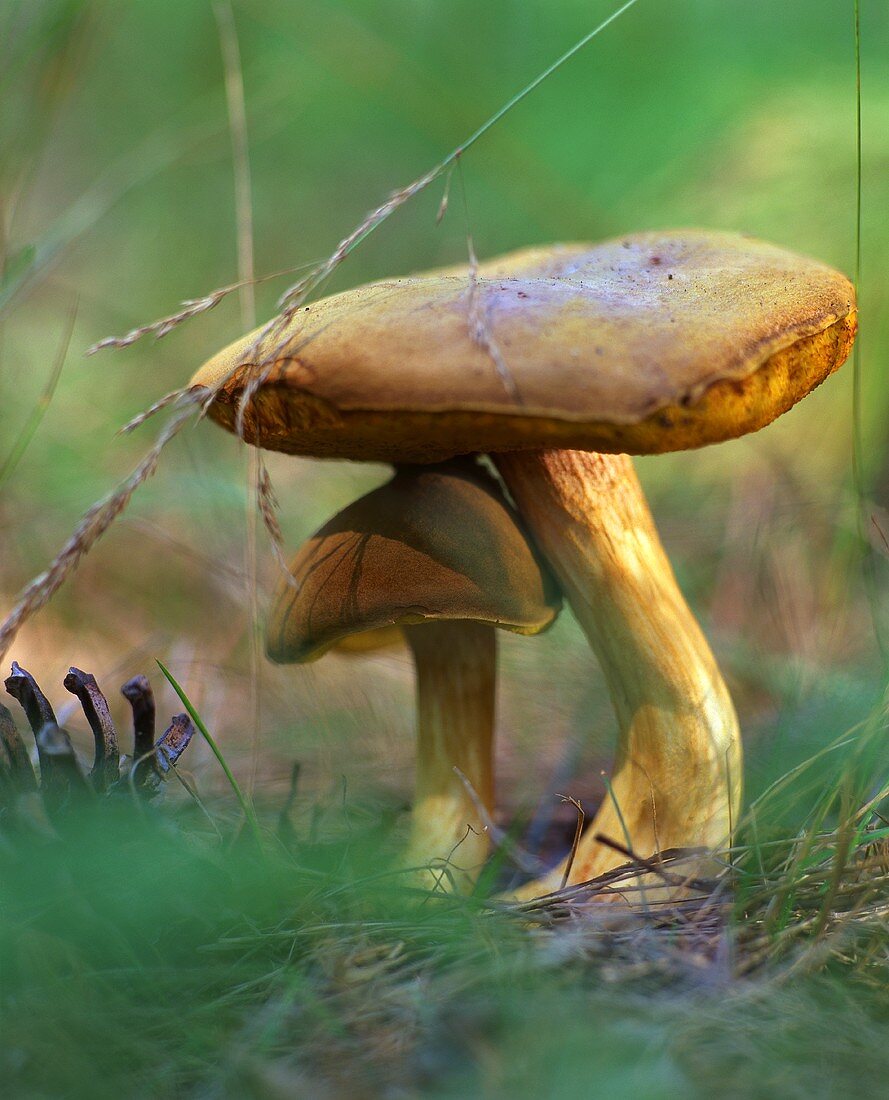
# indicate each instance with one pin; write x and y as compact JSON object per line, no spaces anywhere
{"x":677,"y":774}
{"x":456,"y":680}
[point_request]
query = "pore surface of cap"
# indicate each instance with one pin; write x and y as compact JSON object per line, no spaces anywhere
{"x":647,"y":343}
{"x":433,"y":543}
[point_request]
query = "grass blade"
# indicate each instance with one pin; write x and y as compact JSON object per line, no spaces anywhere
{"x":237,"y":124}
{"x":29,"y":428}
{"x":249,"y":812}
{"x":859,"y":476}
{"x":294,"y":296}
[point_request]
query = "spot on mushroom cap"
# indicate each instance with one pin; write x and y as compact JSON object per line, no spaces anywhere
{"x":647,"y":343}
{"x":433,"y":543}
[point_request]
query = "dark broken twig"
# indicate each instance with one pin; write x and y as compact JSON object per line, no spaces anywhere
{"x":54,"y":749}
{"x":61,"y":777}
{"x":61,"y":773}
{"x":174,"y":742}
{"x":106,"y":766}
{"x":139,"y":695}
{"x":20,"y":772}
{"x":22,"y":686}
{"x":655,"y":866}
{"x":578,"y":829}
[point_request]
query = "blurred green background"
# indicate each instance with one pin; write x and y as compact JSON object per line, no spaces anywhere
{"x":116,"y":199}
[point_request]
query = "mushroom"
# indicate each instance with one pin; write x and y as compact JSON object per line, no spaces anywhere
{"x":438,"y":553}
{"x":645,"y":344}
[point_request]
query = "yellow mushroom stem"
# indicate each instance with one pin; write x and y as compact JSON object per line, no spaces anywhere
{"x":677,"y":773}
{"x":456,"y":677}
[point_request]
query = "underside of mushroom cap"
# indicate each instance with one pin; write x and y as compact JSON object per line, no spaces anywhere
{"x":647,"y":343}
{"x":434,"y":543}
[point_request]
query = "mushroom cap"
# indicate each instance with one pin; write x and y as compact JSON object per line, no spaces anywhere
{"x":648,"y":343}
{"x":436,"y":542}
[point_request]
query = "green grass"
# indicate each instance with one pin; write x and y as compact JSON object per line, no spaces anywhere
{"x":160,"y":949}
{"x":143,"y":955}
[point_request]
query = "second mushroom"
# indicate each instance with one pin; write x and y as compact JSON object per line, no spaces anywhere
{"x":438,"y":553}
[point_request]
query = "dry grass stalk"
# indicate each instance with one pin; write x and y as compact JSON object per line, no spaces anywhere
{"x":477,"y":311}
{"x":296,"y":294}
{"x":191,"y":307}
{"x":273,"y":337}
{"x":268,"y":502}
{"x":268,"y":510}
{"x":171,"y":398}
{"x":481,"y":334}
{"x":828,"y":916}
{"x":95,"y":522}
{"x":575,"y":843}
{"x":275,"y":331}
{"x":237,"y":125}
{"x":500,"y":838}
{"x":294,"y":297}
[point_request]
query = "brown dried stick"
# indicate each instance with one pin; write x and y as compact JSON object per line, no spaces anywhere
{"x":656,"y":866}
{"x":22,"y":686}
{"x":106,"y":764}
{"x":59,"y":770}
{"x":174,"y":742}
{"x":139,"y":695}
{"x":20,"y":770}
{"x":60,"y":774}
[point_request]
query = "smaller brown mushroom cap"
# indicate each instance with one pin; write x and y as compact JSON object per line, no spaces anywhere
{"x":434,"y":543}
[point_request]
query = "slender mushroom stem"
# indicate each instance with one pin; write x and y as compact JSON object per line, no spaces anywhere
{"x":677,"y":777}
{"x":456,"y":673}
{"x":106,"y":763}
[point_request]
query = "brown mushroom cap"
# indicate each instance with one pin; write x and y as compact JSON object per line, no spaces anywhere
{"x":433,"y":543}
{"x":648,"y":343}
